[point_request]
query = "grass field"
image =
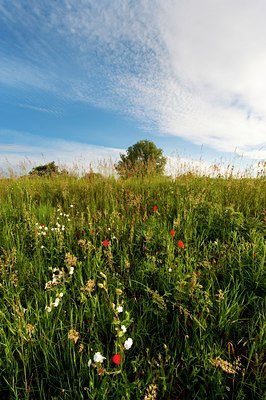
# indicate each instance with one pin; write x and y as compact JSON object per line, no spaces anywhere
{"x":151,"y":289}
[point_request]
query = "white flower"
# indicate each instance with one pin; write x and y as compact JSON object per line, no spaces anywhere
{"x":128,"y":343}
{"x":89,"y":362}
{"x":98,"y":357}
{"x":48,"y":308}
{"x":170,"y":270}
{"x":42,"y":247}
{"x":71,"y":205}
{"x":56,"y":302}
{"x":61,"y":294}
{"x":71,"y":272}
{"x":123,"y":328}
{"x":119,"y":309}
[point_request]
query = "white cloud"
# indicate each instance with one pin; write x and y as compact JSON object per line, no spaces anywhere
{"x":73,"y":155}
{"x":192,"y":69}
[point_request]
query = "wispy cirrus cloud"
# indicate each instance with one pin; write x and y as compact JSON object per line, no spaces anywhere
{"x":190,"y":69}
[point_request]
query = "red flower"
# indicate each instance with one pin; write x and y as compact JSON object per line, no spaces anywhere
{"x":180,"y":244}
{"x":105,"y":243}
{"x":116,"y":359}
{"x":172,"y":233}
{"x":155,"y":208}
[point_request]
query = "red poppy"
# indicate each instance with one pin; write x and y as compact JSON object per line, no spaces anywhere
{"x":116,"y":359}
{"x":105,"y":243}
{"x":172,"y":233}
{"x":180,"y":244}
{"x":155,"y":208}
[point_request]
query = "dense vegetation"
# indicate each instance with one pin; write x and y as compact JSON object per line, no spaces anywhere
{"x":135,"y":289}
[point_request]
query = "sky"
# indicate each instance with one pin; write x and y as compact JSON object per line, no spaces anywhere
{"x":81,"y":81}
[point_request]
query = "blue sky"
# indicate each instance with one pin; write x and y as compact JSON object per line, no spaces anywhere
{"x":83,"y":80}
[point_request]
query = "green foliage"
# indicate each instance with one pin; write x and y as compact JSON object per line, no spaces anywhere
{"x":50,"y":169}
{"x":141,"y":159}
{"x":179,"y":264}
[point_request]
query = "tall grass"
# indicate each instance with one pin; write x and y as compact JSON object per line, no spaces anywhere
{"x":178,"y":266}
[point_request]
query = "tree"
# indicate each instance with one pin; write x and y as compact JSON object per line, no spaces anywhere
{"x":141,"y":159}
{"x":49,"y":169}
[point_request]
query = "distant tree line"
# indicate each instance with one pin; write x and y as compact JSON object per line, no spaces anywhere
{"x":141,"y":160}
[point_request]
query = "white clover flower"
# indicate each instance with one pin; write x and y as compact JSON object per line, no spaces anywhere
{"x":119,"y":309}
{"x":98,"y":357}
{"x":123,"y":328}
{"x":128,"y":343}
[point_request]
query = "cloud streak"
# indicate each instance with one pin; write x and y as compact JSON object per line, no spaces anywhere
{"x":67,"y":153}
{"x":190,"y":69}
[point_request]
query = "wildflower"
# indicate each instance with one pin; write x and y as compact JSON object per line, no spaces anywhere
{"x":81,"y":347}
{"x":61,"y":294}
{"x":123,"y":328}
{"x":89,"y":287}
{"x":170,"y":270}
{"x":89,"y":362}
{"x":119,"y":309}
{"x":48,"y":308}
{"x":151,"y":392}
{"x":128,"y":343}
{"x":71,"y":205}
{"x":105,"y":243}
{"x":155,"y":208}
{"x":172,"y":233}
{"x":224,"y":365}
{"x":98,"y":357}
{"x":71,"y":271}
{"x":70,"y":260}
{"x":180,"y":244}
{"x":116,"y":359}
{"x":73,"y":335}
{"x":56,"y":302}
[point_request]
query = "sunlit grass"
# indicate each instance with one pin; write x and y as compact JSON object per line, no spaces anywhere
{"x":136,"y":289}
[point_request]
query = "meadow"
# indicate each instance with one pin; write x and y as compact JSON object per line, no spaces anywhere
{"x":135,"y":289}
